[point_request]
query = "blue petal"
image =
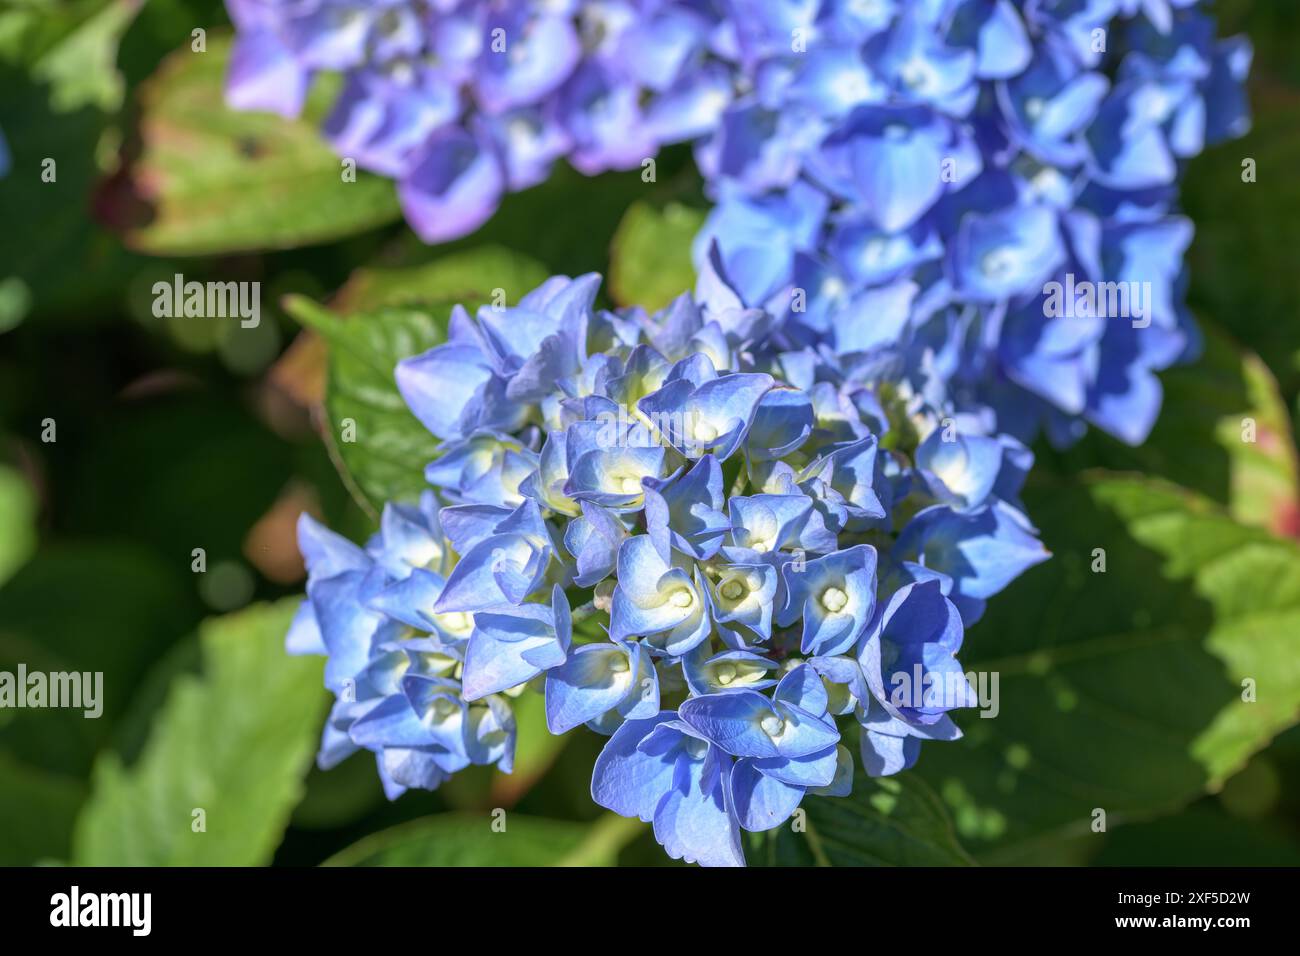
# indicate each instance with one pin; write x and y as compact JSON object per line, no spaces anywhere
{"x":811,"y":770}
{"x":803,"y":687}
{"x":627,"y":780}
{"x":696,"y":822}
{"x":502,"y":569}
{"x":746,"y":724}
{"x":596,"y":678}
{"x":325,"y":552}
{"x":304,"y":635}
{"x":883,"y":755}
{"x":438,"y":384}
{"x":391,"y":723}
{"x":762,"y":802}
{"x":508,"y":647}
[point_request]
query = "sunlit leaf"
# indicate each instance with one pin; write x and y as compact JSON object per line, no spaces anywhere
{"x":224,"y":766}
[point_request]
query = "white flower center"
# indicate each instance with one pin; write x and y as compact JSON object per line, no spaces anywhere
{"x":998,"y":262}
{"x":455,"y":621}
{"x":704,"y":432}
{"x":834,"y":600}
{"x":916,"y":74}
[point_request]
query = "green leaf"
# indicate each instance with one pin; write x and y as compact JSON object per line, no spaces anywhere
{"x":82,"y":68}
{"x":17,"y":522}
{"x":38,"y":809}
{"x":469,"y":839}
{"x":889,"y":821}
{"x":379,"y":447}
{"x":650,"y":256}
{"x":235,"y":743}
{"x":1230,"y":396}
{"x":33,"y":31}
{"x":1265,"y":479}
{"x":1122,"y":690}
{"x":475,"y":276}
{"x":208,"y":179}
{"x":385,"y":458}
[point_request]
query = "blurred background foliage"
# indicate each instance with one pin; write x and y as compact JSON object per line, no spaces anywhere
{"x":1119,"y":690}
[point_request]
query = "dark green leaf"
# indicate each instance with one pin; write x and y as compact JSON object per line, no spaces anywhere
{"x":1122,"y":690}
{"x":37,"y":809}
{"x":1241,"y":263}
{"x":1202,"y":835}
{"x":890,"y":821}
{"x":48,"y":235}
{"x":1224,"y":432}
{"x":340,"y":795}
{"x":536,"y":749}
{"x":404,"y":312}
{"x":378,"y":445}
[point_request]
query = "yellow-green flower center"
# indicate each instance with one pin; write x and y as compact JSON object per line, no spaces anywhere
{"x":732,"y":590}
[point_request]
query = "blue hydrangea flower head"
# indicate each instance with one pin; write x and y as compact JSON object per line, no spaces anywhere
{"x":911,"y":180}
{"x":706,"y":552}
{"x":972,"y":156}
